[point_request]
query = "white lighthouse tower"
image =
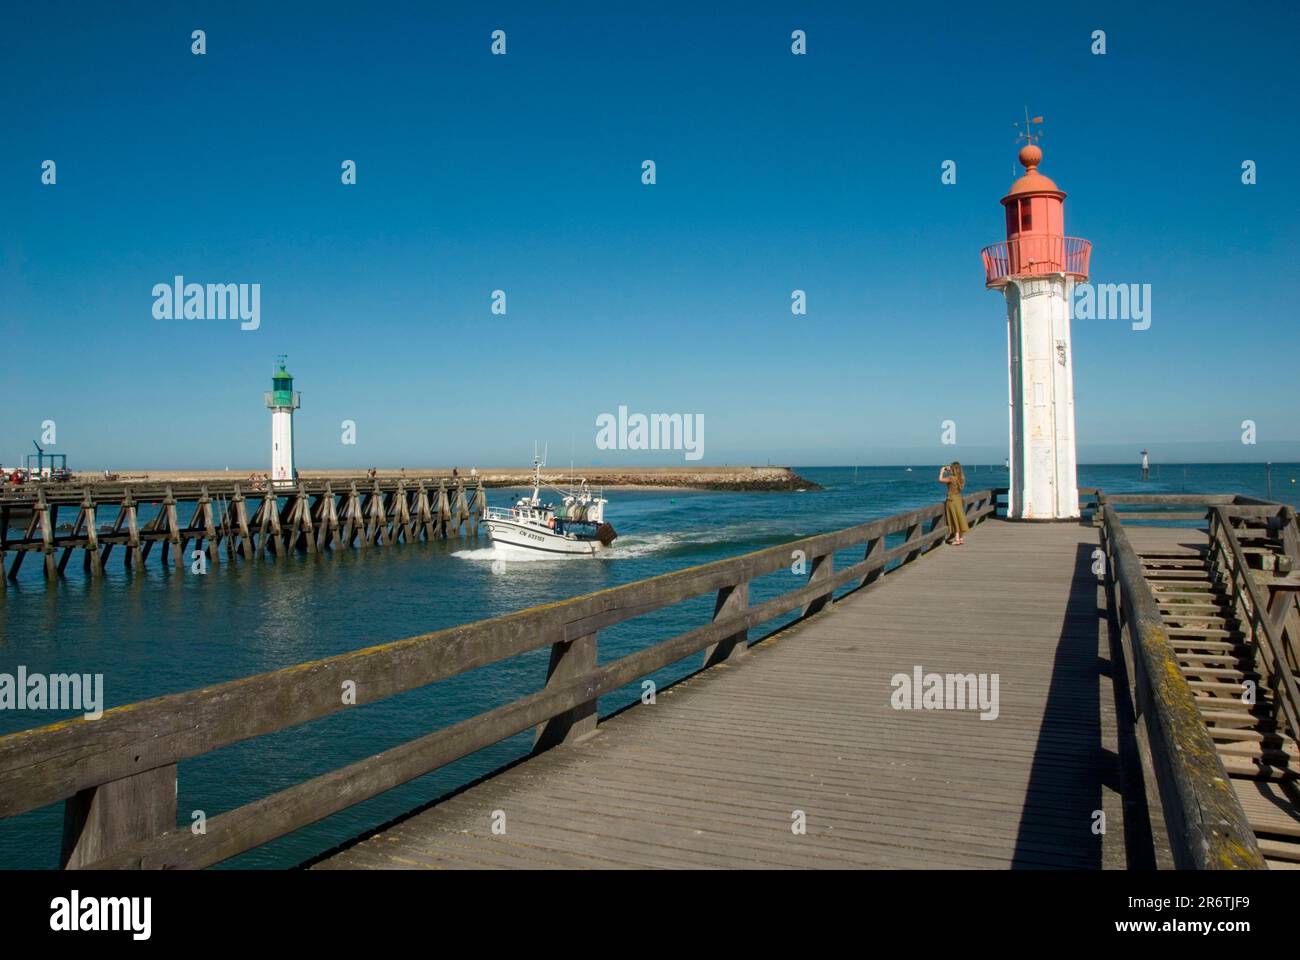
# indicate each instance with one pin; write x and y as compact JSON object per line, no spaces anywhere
{"x":1036,"y":268}
{"x":282,"y":401}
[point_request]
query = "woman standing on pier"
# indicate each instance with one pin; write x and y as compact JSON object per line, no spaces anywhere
{"x":953,"y":509}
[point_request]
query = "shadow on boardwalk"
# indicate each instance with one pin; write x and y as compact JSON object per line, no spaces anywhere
{"x":1064,"y":796}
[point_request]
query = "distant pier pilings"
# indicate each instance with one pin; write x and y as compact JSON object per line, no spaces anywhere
{"x":235,"y":518}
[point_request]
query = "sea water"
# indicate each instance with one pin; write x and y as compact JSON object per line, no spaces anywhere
{"x":157,"y":632}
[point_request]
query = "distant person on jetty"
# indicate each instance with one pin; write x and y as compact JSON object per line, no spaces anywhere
{"x":953,"y":510}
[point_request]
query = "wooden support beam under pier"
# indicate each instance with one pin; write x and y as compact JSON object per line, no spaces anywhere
{"x":215,"y":517}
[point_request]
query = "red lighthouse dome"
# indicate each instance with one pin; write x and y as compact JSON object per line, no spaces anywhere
{"x":1036,"y":243}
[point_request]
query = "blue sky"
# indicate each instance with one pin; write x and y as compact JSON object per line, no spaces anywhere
{"x":775,"y":172}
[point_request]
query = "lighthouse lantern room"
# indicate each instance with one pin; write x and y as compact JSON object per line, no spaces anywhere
{"x":1036,"y":269}
{"x":282,"y":400}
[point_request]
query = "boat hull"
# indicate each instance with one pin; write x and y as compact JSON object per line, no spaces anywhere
{"x":529,"y":537}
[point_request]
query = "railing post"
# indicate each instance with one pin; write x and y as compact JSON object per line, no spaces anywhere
{"x":941,"y":520}
{"x":569,"y":659}
{"x":909,"y":535}
{"x":731,"y":601}
{"x":875,"y":547}
{"x":100,"y":821}
{"x":822,"y":568}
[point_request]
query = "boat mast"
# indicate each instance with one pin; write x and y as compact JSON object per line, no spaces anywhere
{"x":538,"y":463}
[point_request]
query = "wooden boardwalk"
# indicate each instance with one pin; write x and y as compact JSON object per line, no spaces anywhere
{"x":713,"y":773}
{"x":1124,"y":660}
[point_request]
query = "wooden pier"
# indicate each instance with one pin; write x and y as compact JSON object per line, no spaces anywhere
{"x":715,"y":772}
{"x":239,"y":519}
{"x":1118,"y":737}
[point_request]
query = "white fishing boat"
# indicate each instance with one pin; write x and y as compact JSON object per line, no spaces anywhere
{"x":576,"y":527}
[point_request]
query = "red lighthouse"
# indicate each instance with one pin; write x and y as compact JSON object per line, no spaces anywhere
{"x":1036,"y":268}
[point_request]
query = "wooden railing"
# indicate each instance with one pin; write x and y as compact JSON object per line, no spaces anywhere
{"x":1264,"y":619}
{"x":1163,"y":505}
{"x":1206,"y":826}
{"x":117,"y":775}
{"x":111,"y":493}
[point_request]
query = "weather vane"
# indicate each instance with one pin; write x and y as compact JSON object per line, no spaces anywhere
{"x":1028,"y":134}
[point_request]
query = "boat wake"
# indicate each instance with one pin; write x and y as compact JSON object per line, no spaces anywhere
{"x":500,"y":551}
{"x":633,"y":546}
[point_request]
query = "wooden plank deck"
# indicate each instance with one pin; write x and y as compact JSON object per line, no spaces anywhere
{"x":710,"y":775}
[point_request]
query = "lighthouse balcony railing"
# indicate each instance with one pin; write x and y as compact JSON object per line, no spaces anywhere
{"x":1035,"y":256}
{"x":283,"y":398}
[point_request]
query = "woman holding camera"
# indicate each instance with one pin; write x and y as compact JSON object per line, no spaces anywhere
{"x":953,"y":509}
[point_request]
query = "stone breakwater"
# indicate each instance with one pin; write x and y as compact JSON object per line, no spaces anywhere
{"x":693,"y":478}
{"x":719,"y":478}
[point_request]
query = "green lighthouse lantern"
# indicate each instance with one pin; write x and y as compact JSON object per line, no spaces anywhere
{"x":282,"y":384}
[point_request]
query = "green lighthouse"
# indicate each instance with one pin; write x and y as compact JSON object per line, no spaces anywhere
{"x":282,"y":401}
